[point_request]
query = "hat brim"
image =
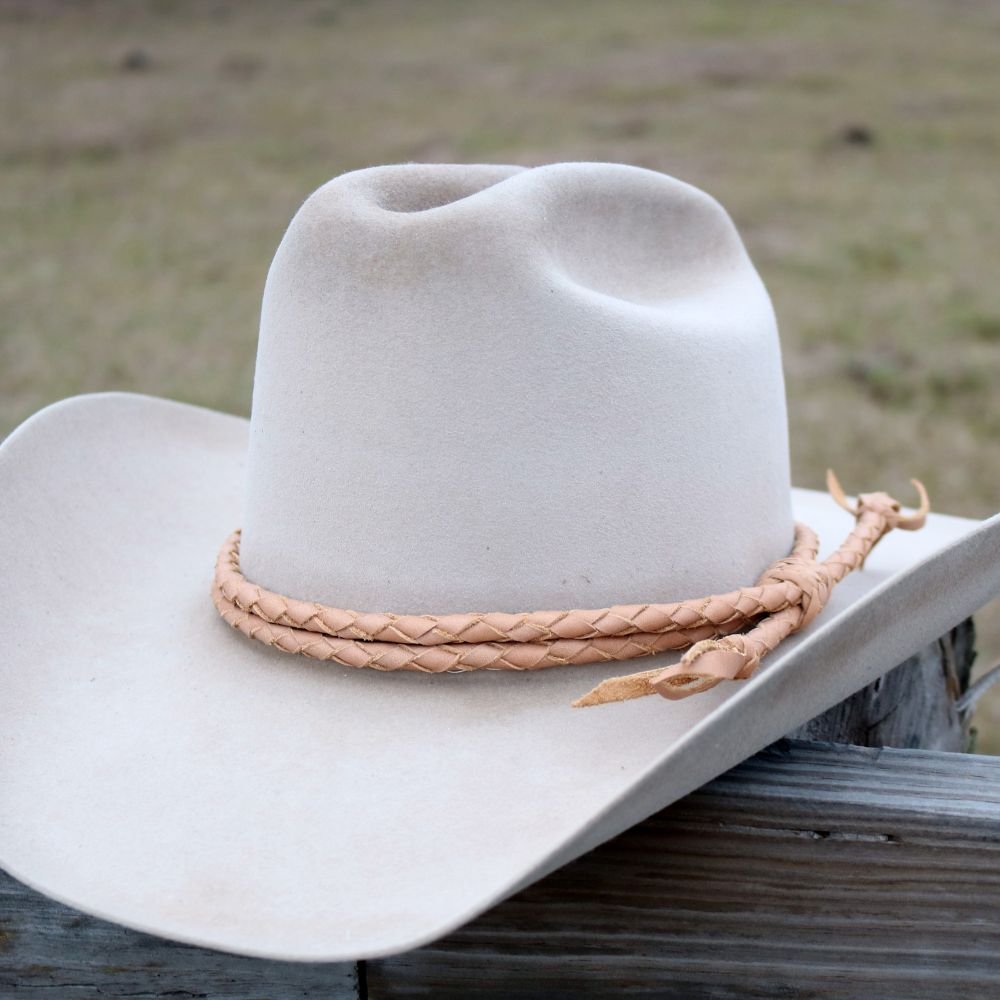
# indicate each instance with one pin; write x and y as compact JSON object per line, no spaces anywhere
{"x":159,"y":770}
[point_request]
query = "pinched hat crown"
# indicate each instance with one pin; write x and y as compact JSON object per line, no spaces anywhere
{"x":489,"y":387}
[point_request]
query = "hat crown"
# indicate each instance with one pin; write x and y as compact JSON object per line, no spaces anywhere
{"x":498,"y":388}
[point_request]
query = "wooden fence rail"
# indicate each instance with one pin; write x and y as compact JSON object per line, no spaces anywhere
{"x":813,"y":870}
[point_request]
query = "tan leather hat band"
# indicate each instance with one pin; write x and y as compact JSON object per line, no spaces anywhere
{"x":787,"y":596}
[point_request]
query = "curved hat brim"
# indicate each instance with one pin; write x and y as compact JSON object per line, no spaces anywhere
{"x":159,"y":770}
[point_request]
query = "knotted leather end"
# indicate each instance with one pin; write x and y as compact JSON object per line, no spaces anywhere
{"x":882,"y":504}
{"x":736,"y":657}
{"x":704,"y":665}
{"x":675,"y":686}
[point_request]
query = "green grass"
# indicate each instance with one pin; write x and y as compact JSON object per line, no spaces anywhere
{"x":140,"y":207}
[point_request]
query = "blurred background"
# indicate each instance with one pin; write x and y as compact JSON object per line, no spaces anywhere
{"x":153,"y":151}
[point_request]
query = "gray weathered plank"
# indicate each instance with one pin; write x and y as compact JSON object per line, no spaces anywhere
{"x":809,"y":871}
{"x":914,"y":705}
{"x":49,"y":950}
{"x":827,"y":841}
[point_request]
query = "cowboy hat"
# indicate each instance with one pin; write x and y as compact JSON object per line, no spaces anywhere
{"x":480,"y":390}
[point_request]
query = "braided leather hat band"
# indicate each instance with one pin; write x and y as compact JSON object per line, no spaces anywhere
{"x":786,"y":597}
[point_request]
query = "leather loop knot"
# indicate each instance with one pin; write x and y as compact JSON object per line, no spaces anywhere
{"x":811,"y":578}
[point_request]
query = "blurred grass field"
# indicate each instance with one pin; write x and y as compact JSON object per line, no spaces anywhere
{"x":151,"y":154}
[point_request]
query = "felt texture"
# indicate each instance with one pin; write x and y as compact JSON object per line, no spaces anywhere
{"x":488,"y":388}
{"x":160,"y":770}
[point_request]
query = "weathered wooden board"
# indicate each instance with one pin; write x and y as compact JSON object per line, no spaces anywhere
{"x":49,"y":951}
{"x":914,"y":705}
{"x":809,"y":871}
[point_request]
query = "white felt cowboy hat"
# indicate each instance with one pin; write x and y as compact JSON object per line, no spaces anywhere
{"x":479,"y":388}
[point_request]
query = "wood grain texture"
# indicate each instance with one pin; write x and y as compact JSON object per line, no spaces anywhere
{"x":48,"y":950}
{"x":809,"y":871}
{"x":914,"y":705}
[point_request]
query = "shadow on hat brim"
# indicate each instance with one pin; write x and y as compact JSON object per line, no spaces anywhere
{"x":159,"y":770}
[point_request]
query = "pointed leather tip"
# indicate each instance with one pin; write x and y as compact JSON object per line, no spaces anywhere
{"x":618,"y":689}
